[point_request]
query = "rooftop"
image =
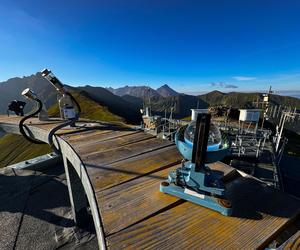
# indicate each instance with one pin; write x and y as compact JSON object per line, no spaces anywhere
{"x":35,"y":211}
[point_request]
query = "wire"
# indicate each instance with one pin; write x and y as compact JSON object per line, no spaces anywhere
{"x":67,"y":123}
{"x":21,"y":123}
{"x":54,"y":130}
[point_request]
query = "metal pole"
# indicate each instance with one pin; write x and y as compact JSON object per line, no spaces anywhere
{"x":258,"y":146}
{"x":263,"y":120}
{"x":280,"y":134}
{"x":279,"y":109}
{"x":200,"y":141}
{"x":274,"y":111}
{"x":271,"y":111}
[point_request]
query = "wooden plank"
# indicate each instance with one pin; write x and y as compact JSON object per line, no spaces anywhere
{"x":85,"y":134}
{"x":103,"y":134}
{"x":122,"y":153}
{"x":104,"y":177}
{"x":47,"y":125}
{"x":130,"y":202}
{"x":189,"y":226}
{"x":96,"y":145}
{"x":33,"y":121}
{"x":293,"y":243}
{"x":9,"y":119}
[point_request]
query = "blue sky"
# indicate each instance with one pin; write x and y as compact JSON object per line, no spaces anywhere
{"x":193,"y":46}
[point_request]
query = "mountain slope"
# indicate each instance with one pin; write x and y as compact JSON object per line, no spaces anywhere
{"x":244,"y":100}
{"x":166,"y":91}
{"x":136,"y":101}
{"x":14,"y":148}
{"x":182,"y":103}
{"x":89,"y":108}
{"x":213,"y":97}
{"x":143,"y":91}
{"x":137,"y":91}
{"x":114,"y":104}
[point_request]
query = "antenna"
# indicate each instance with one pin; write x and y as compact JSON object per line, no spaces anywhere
{"x":265,"y":104}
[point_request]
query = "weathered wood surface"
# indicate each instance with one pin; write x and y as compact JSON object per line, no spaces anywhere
{"x":126,"y":167}
{"x":293,"y":243}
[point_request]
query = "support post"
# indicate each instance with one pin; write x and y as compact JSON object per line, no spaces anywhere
{"x":200,"y":141}
{"x":274,"y":112}
{"x":280,"y":133}
{"x":77,"y":195}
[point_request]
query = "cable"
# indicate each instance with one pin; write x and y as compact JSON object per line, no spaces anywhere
{"x":67,"y":123}
{"x":21,"y":123}
{"x":54,"y":130}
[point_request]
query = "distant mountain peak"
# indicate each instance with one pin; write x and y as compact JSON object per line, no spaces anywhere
{"x":165,"y":91}
{"x":137,"y":91}
{"x":216,"y":92}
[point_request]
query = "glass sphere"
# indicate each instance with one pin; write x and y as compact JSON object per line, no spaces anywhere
{"x":214,"y":137}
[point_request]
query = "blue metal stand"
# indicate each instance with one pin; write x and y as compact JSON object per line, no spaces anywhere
{"x":194,"y":181}
{"x":205,"y":189}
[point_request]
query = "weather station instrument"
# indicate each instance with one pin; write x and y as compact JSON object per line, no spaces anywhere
{"x":200,"y":143}
{"x":66,"y":101}
{"x":40,"y":111}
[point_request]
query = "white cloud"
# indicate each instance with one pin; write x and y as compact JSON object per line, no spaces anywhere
{"x":243,"y":78}
{"x":223,"y":85}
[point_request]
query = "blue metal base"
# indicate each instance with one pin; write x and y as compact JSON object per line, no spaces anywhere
{"x":195,"y":197}
{"x":200,"y":185}
{"x":204,"y":188}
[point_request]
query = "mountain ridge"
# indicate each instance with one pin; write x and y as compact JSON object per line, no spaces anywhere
{"x":127,"y":105}
{"x":166,"y":91}
{"x":137,"y":91}
{"x":143,"y":91}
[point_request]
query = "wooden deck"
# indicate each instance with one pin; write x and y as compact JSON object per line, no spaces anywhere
{"x":124,"y":167}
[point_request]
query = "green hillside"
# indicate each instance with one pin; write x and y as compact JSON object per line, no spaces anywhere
{"x":115,"y":104}
{"x":89,"y":109}
{"x":14,"y":148}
